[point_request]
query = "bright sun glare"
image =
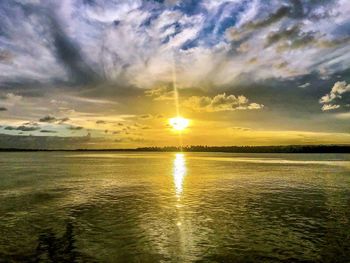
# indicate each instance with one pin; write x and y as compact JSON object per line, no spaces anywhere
{"x":179,"y":123}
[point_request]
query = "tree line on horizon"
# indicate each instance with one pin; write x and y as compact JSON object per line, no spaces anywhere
{"x":228,"y":149}
{"x":254,"y":149}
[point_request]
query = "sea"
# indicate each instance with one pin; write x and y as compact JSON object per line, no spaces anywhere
{"x":174,"y":207}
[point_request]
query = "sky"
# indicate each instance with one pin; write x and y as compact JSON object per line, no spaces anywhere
{"x":101,"y":74}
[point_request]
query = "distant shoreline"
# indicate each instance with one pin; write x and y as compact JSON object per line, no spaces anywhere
{"x":223,"y":149}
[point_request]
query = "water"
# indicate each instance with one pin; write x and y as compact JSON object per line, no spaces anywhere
{"x":167,"y":207}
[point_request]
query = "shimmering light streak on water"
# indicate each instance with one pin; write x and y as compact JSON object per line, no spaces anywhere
{"x":179,"y":173}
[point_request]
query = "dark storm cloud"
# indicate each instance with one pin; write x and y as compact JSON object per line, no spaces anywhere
{"x":44,"y":24}
{"x":52,"y":119}
{"x":146,"y":117}
{"x":271,"y":19}
{"x":303,"y":40}
{"x":295,"y":9}
{"x":62,"y":120}
{"x":294,"y":38}
{"x":101,"y":122}
{"x":48,"y":119}
{"x":311,"y":9}
{"x":25,"y":87}
{"x":27,"y":128}
{"x":283,"y":34}
{"x":75,"y":128}
{"x":68,"y":53}
{"x":24,"y":128}
{"x":48,"y":131}
{"x":299,"y":9}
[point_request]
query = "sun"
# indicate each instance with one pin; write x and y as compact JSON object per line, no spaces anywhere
{"x":179,"y":123}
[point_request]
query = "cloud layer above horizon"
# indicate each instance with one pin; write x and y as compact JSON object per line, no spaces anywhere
{"x":77,"y":60}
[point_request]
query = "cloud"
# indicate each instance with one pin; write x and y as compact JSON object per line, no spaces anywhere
{"x":101,"y":122}
{"x":5,"y":56}
{"x":146,"y":117}
{"x":25,"y":128}
{"x":284,"y":34}
{"x":242,"y":129}
{"x":52,"y":119}
{"x":134,"y":43}
{"x":305,"y":85}
{"x":220,"y":102}
{"x":68,"y":53}
{"x":92,"y":100}
{"x":75,"y":128}
{"x":297,"y":37}
{"x":336,"y":94}
{"x":337,"y":91}
{"x":12,"y":98}
{"x":327,"y":107}
{"x":62,"y":120}
{"x":95,"y":58}
{"x":272,"y":18}
{"x":48,"y":131}
{"x":48,"y":119}
{"x":160,"y":93}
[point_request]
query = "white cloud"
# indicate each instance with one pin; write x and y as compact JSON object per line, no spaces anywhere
{"x":220,"y":102}
{"x":338,"y":89}
{"x":327,"y":107}
{"x":303,"y":86}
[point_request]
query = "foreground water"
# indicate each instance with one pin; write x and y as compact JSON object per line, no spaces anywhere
{"x":167,"y":207}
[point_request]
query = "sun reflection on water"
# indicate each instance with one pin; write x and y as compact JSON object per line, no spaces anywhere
{"x":179,"y":173}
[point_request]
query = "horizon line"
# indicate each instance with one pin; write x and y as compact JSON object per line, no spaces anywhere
{"x":300,"y":148}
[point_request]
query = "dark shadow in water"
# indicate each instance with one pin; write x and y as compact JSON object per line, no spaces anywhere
{"x":57,"y":249}
{"x":52,"y":249}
